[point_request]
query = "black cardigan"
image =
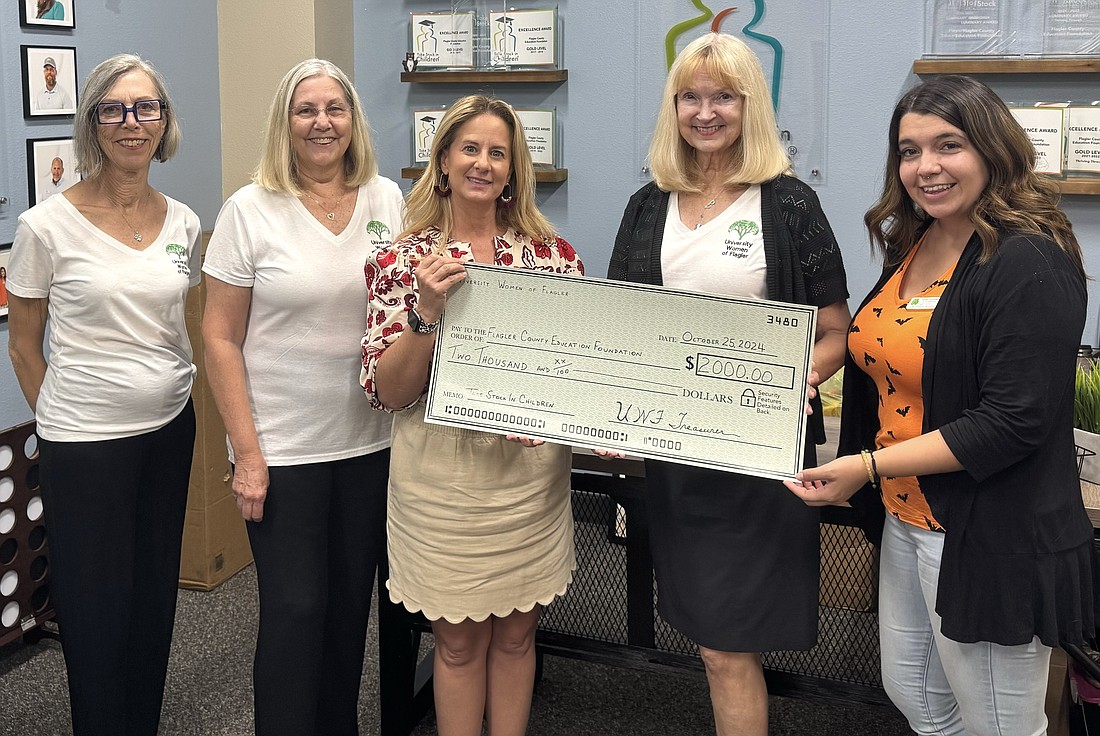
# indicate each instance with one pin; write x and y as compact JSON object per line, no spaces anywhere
{"x":998,"y":382}
{"x":804,"y":264}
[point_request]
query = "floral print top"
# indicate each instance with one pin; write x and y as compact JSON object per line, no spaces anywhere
{"x":392,"y":291}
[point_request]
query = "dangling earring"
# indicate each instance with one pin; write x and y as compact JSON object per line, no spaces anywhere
{"x":506,"y":198}
{"x":443,"y":187}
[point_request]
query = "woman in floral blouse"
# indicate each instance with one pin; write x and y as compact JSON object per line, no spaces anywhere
{"x":480,"y":528}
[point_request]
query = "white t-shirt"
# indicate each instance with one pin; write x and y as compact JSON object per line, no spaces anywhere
{"x":302,"y":351}
{"x":724,"y":256}
{"x":53,"y":99}
{"x":49,"y":187}
{"x":120,"y":361}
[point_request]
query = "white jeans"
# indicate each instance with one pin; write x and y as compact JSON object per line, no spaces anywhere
{"x":944,"y":687}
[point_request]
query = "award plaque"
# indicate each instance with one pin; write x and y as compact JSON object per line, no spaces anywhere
{"x":424,"y":124}
{"x":1083,"y":140}
{"x":1044,"y":126}
{"x":1071,"y":27}
{"x":961,"y":28}
{"x":442,"y":40}
{"x":541,"y":129}
{"x":524,"y":38}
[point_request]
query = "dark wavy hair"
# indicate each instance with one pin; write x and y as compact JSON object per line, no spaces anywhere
{"x":1016,"y":197}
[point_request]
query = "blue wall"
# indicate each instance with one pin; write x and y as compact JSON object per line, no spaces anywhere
{"x":181,"y":39}
{"x":605,"y":110}
{"x":869,"y":57}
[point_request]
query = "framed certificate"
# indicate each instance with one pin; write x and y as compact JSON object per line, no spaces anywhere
{"x":524,"y":38}
{"x":1083,"y":140}
{"x":442,"y":40}
{"x":1044,"y":126}
{"x":953,"y":28}
{"x":540,"y":126}
{"x":424,"y":124}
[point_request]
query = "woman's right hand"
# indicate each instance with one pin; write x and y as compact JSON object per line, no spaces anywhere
{"x":250,"y":486}
{"x":435,"y":276}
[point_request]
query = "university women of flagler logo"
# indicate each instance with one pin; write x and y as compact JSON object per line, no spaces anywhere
{"x":707,"y":14}
{"x":745,"y":227}
{"x":738,"y":244}
{"x":380,"y":233}
{"x":178,"y":255}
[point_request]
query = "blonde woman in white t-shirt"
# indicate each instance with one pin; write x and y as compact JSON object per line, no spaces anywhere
{"x":286,"y":308}
{"x":724,"y":215}
{"x":108,"y":263}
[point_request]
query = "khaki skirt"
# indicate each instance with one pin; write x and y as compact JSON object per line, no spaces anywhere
{"x":477,"y":526}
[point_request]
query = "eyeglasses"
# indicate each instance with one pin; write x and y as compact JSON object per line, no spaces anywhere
{"x":693,"y":100}
{"x":145,"y":111}
{"x":309,"y":112}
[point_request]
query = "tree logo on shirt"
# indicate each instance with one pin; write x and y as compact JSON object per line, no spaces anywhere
{"x":178,"y":255}
{"x":744,"y":228}
{"x":378,"y":229}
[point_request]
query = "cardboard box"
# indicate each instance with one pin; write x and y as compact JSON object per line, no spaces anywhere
{"x":849,"y":569}
{"x":215,"y":543}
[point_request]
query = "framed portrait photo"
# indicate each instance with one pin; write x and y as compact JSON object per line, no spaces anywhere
{"x":49,"y":81}
{"x":51,"y":13}
{"x":51,"y":168}
{"x":5,"y":253}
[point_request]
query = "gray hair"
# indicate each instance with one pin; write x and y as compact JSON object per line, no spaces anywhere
{"x":278,"y":168}
{"x":89,"y":155}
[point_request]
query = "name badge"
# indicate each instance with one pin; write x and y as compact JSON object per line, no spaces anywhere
{"x":922,"y":303}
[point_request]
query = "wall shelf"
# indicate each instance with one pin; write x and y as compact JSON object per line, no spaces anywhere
{"x":474,"y":77}
{"x":541,"y":175}
{"x":1078,"y":185}
{"x":1006,"y":66}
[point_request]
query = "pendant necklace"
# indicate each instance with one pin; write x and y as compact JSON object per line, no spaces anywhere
{"x":137,"y":233}
{"x":706,"y":207}
{"x":329,"y":214}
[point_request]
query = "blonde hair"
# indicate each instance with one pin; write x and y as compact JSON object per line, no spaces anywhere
{"x":757,"y":156}
{"x":426,"y":209}
{"x":278,"y":167}
{"x":1016,"y":197}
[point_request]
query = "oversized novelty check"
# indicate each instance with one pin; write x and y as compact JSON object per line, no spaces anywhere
{"x":692,"y":378}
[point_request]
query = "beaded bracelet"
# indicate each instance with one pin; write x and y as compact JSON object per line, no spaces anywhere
{"x":868,"y":458}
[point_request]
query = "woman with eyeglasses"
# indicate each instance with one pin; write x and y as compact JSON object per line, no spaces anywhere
{"x":285,"y":312}
{"x":108,"y":263}
{"x":736,"y":562}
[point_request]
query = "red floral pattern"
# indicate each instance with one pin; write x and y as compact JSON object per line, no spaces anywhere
{"x":391,"y":290}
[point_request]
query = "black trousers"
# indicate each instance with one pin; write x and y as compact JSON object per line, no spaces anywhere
{"x":317,"y":551}
{"x":114,"y":513}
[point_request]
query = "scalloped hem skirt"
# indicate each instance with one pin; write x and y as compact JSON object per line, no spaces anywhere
{"x":477,"y":526}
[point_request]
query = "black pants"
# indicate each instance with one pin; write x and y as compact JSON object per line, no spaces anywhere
{"x":317,"y":551}
{"x":114,"y":514}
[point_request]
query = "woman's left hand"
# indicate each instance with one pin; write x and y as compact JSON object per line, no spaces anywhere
{"x":831,"y":484}
{"x":525,"y":441}
{"x":811,"y":390}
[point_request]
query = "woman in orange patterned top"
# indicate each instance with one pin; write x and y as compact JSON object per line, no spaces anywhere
{"x":958,"y":407}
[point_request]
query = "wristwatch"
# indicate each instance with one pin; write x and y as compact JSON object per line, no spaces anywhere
{"x":417,"y":323}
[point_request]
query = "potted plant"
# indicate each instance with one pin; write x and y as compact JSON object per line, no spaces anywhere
{"x":1086,"y":421}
